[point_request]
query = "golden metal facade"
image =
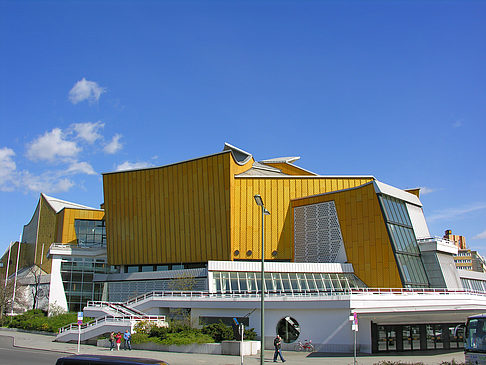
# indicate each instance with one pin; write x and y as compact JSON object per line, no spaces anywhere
{"x":276,"y":193}
{"x":198,"y":210}
{"x":171,"y":214}
{"x":365,"y":236}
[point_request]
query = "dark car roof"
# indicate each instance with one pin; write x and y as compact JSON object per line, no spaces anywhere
{"x":104,"y":359}
{"x":478,"y":316}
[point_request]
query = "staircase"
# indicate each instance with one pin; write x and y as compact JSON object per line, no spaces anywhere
{"x":116,"y":317}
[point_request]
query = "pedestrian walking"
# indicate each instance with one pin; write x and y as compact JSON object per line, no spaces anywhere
{"x":118,"y":338}
{"x":112,"y":340}
{"x":127,"y":336}
{"x":277,"y":343}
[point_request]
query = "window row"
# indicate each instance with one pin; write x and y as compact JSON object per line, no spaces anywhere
{"x":403,"y":239}
{"x":413,"y":270}
{"x":247,"y":282}
{"x":395,"y":210}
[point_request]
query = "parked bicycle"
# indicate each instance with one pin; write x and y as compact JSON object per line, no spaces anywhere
{"x":306,"y":346}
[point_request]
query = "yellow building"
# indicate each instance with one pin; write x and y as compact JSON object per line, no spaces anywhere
{"x":194,"y":211}
{"x":56,"y":221}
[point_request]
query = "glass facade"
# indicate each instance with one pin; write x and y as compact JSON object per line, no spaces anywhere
{"x":90,"y":233}
{"x":77,"y":277}
{"x":407,"y":253}
{"x":249,"y":282}
{"x":472,"y":284}
{"x":415,"y":337}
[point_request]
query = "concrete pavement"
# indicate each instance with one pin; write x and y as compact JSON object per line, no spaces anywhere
{"x":45,"y":342}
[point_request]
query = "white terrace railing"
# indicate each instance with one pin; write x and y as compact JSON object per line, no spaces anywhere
{"x":119,"y":308}
{"x":109,"y":320}
{"x":436,"y":239}
{"x":311,"y":294}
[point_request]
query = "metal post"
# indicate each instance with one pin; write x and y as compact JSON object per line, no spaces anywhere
{"x":242,"y":330}
{"x":79,"y":337}
{"x":8,"y":263}
{"x":262,"y":284}
{"x":355,"y":361}
{"x":15,"y":280}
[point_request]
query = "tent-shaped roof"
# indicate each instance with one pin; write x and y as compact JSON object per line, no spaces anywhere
{"x":58,"y":204}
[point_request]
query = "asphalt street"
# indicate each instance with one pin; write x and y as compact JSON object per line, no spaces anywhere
{"x":10,"y":355}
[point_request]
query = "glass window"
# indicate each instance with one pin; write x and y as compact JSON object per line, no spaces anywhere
{"x":288,"y":328}
{"x":90,"y":233}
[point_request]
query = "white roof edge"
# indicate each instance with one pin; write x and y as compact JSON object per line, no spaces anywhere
{"x":315,"y":176}
{"x":255,"y":266}
{"x":396,"y":193}
{"x":58,"y":204}
{"x":234,"y":149}
{"x":282,"y":160}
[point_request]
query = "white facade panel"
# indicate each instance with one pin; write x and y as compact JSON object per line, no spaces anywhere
{"x":298,"y":267}
{"x":57,"y":296}
{"x":418,"y":221}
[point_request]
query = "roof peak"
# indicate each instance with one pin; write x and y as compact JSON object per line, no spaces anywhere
{"x":58,"y":204}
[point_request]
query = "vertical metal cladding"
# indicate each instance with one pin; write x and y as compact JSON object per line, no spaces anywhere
{"x":171,"y":214}
{"x":276,"y":193}
{"x":364,"y":233}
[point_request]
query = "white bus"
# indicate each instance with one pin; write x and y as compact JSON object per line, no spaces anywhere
{"x":475,"y":340}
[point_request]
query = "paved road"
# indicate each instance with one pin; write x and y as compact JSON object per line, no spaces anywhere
{"x":37,"y":341}
{"x":10,"y":355}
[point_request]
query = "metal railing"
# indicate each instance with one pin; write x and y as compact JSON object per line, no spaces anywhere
{"x":436,"y":239}
{"x":303,"y":294}
{"x":109,"y":319}
{"x":117,"y":307}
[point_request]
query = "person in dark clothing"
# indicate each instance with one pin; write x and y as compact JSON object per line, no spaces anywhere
{"x":277,"y":343}
{"x":112,"y":341}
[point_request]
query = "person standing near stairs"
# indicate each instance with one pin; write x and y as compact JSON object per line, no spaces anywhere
{"x":118,"y":338}
{"x":127,"y":336}
{"x":112,"y":340}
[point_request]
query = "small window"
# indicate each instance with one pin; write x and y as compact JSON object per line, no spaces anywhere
{"x":288,"y":328}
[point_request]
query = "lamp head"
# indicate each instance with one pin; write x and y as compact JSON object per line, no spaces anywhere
{"x":258,"y":200}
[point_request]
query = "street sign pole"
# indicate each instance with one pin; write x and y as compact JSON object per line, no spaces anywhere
{"x":80,"y":322}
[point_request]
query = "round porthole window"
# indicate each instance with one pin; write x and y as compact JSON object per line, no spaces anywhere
{"x":236,"y":253}
{"x":249,"y":253}
{"x":288,"y":328}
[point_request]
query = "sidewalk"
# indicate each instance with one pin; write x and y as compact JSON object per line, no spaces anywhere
{"x":45,"y":342}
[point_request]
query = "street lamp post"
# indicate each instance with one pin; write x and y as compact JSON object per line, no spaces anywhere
{"x":259,"y":202}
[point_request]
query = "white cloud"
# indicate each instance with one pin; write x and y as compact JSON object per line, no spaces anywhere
{"x":81,"y":168}
{"x":89,"y":131}
{"x":425,"y":190}
{"x":480,"y":236}
{"x":114,"y":146}
{"x":52,"y":145}
{"x":8,"y":170}
{"x":46,"y":183}
{"x":455,"y":212}
{"x":85,"y":90}
{"x":132,"y":166}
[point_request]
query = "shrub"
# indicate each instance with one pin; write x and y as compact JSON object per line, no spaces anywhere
{"x":218,"y":331}
{"x":37,"y":320}
{"x":250,"y":334}
{"x":144,"y":327}
{"x":159,"y":332}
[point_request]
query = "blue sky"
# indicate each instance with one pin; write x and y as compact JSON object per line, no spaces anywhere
{"x":394,"y":89}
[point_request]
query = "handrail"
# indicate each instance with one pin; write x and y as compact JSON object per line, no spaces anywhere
{"x":110,"y":319}
{"x":307,"y":293}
